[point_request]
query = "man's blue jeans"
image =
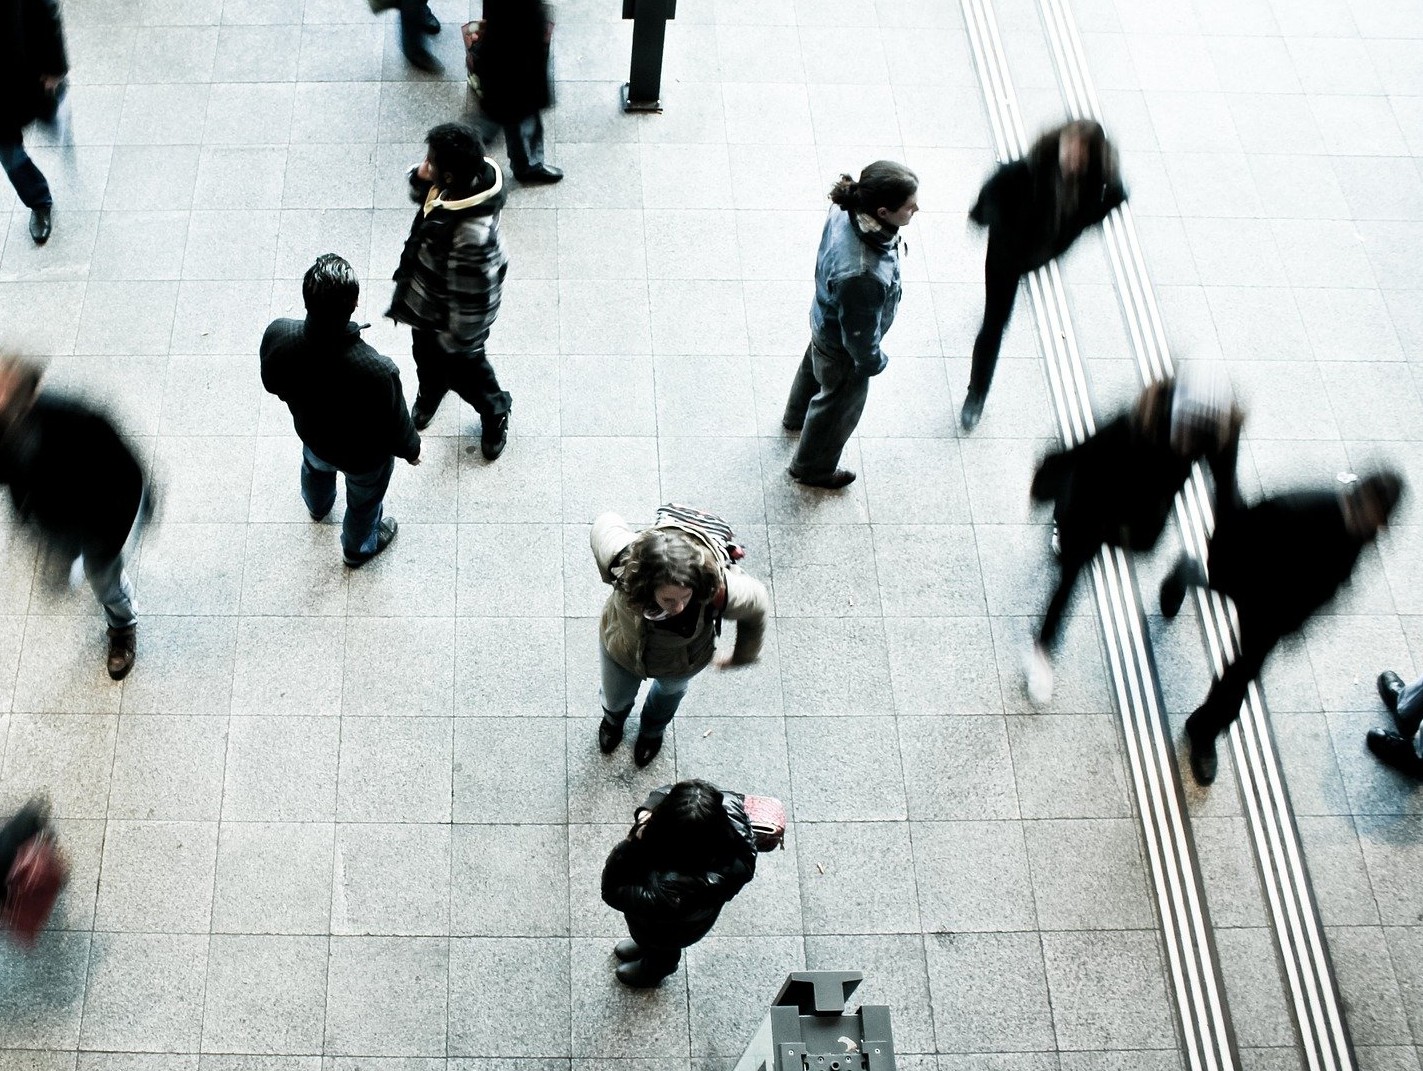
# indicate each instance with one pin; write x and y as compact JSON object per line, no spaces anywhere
{"x":365,"y":491}
{"x":620,"y":692}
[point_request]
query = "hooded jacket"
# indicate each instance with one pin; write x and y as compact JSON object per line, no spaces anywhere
{"x":451,"y":272}
{"x":857,"y":290}
{"x":345,"y":398}
{"x":668,"y":909}
{"x":636,"y":644}
{"x":72,"y":475}
{"x":1023,"y":205}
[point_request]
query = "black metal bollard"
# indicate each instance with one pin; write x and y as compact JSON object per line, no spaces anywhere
{"x":643,"y":90}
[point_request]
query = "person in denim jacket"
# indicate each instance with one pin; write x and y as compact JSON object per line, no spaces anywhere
{"x":856,"y":294}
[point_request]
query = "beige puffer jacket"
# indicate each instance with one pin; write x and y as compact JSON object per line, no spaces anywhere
{"x":652,"y":652}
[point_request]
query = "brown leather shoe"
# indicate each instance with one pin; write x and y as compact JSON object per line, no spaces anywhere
{"x":123,"y":646}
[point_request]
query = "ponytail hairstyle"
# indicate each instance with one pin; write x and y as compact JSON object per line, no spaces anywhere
{"x":883,"y":184}
{"x":689,"y":831}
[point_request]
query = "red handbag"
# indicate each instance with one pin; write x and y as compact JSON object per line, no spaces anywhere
{"x":37,"y":876}
{"x":768,"y":821}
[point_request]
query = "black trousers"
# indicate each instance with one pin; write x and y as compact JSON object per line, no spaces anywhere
{"x":1070,"y":563}
{"x":1001,"y":273}
{"x":28,"y":180}
{"x":1259,"y":635}
{"x":469,"y":374}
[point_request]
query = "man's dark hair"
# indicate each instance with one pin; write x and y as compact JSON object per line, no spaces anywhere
{"x":456,"y":150}
{"x":330,"y":288}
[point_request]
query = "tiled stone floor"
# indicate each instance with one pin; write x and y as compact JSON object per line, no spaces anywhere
{"x":355,"y":820}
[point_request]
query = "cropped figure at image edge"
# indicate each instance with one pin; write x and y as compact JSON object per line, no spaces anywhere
{"x":33,"y":66}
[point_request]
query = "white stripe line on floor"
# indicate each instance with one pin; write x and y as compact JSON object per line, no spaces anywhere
{"x":1190,"y":954}
{"x":1298,"y":930}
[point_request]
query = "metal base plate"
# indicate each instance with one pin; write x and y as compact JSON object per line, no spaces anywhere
{"x":639,"y":105}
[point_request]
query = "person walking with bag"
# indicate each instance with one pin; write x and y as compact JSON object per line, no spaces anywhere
{"x":347,"y":405}
{"x":691,"y":849}
{"x":33,"y":66}
{"x":856,"y":294}
{"x":1034,"y":209}
{"x":450,"y":280}
{"x":672,"y":586}
{"x":512,"y":65}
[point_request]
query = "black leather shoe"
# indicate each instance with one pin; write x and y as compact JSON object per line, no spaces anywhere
{"x":1390,"y":690}
{"x":422,"y":412}
{"x":1187,"y":574}
{"x":836,"y":480}
{"x":123,"y":646}
{"x":645,"y":749}
{"x":428,"y":23}
{"x":542,"y":175}
{"x":610,"y":732}
{"x":494,"y":436}
{"x":422,"y":58}
{"x":40,"y":225}
{"x":1204,"y":760}
{"x":1393,"y":750}
{"x":638,"y":977}
{"x":627,"y":950}
{"x":385,"y":535}
{"x":971,"y":411}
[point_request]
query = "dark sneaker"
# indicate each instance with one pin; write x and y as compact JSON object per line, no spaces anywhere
{"x":494,"y":436}
{"x":385,"y":535}
{"x":833,"y":482}
{"x":123,"y":648}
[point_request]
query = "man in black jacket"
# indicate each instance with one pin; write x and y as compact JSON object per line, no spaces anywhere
{"x":1279,"y":560}
{"x":347,"y":405}
{"x":71,"y":474}
{"x":32,"y":68}
{"x":511,"y":62}
{"x":450,"y":281}
{"x":1034,"y":209}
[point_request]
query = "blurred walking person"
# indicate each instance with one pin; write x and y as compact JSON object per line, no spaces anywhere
{"x":416,"y":22}
{"x":689,"y":852}
{"x":856,"y":295}
{"x":450,"y":280}
{"x":347,"y":405}
{"x":1034,"y":209}
{"x":33,"y":871}
{"x":672,"y":587}
{"x":1400,"y":749}
{"x":72,"y":476}
{"x":1279,"y":561}
{"x":1116,"y":488}
{"x":33,"y":66}
{"x":512,"y":65}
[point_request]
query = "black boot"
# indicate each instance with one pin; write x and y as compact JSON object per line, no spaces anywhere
{"x":646,"y":749}
{"x":610,"y":729}
{"x":627,"y":950}
{"x":638,"y":976}
{"x":1187,"y":574}
{"x":1204,"y":760}
{"x":493,"y":436}
{"x":1396,"y":751}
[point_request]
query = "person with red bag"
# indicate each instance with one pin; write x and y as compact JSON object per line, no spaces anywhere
{"x":690,"y":850}
{"x":512,"y":63}
{"x":32,"y":870}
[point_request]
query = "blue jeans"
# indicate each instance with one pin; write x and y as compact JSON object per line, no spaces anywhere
{"x":619,"y":692}
{"x":27,"y":179}
{"x":365,"y":491}
{"x":112,"y":588}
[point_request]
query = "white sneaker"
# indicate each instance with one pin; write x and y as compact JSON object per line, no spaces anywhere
{"x":1038,"y":668}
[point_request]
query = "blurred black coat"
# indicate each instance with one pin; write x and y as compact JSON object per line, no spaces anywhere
{"x":31,"y":46}
{"x":72,"y":475}
{"x":1117,"y":486}
{"x":1283,"y":558}
{"x":1020,"y":205}
{"x":667,"y":909}
{"x":512,"y":61}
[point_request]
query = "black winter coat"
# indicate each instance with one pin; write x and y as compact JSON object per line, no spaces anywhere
{"x":512,"y":62}
{"x":1019,"y":206}
{"x":1283,"y":558}
{"x":31,"y":46}
{"x":345,"y":397}
{"x":1118,"y":485}
{"x":72,"y":475}
{"x":667,"y":909}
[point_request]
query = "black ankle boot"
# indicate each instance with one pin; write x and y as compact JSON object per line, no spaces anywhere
{"x":610,"y":729}
{"x":646,"y":749}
